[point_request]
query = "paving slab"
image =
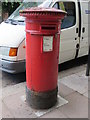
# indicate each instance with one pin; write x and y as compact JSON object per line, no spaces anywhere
{"x":77,"y":106}
{"x":5,"y":112}
{"x":89,"y":87}
{"x":14,"y":100}
{"x":54,"y":114}
{"x":76,"y":82}
{"x":63,"y":90}
{"x":18,"y":108}
{"x":0,"y":109}
{"x":13,"y":89}
{"x":89,"y":109}
{"x":82,"y":73}
{"x":0,"y":79}
{"x":0,"y":93}
{"x":86,"y":94}
{"x":89,"y":94}
{"x":70,"y":71}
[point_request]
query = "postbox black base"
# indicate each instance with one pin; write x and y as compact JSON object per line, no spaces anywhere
{"x":41,"y":100}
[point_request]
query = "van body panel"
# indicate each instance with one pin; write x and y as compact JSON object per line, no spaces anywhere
{"x":21,"y":55}
{"x":84,"y":29}
{"x":13,"y":67}
{"x":68,"y":34}
{"x":11,"y":35}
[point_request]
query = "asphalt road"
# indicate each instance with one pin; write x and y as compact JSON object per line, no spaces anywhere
{"x":65,"y":69}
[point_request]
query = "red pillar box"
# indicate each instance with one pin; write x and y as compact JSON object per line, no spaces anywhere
{"x":42,"y":55}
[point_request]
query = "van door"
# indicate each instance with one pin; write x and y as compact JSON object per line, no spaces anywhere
{"x":84,"y":28}
{"x":69,"y":30}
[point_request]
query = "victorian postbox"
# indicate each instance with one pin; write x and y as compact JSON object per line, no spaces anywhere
{"x":42,"y":55}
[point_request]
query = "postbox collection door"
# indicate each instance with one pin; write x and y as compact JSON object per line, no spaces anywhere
{"x":42,"y":61}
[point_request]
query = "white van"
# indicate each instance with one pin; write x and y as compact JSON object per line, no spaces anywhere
{"x":73,"y":40}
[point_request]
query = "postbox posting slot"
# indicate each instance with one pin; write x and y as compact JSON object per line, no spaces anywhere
{"x":48,"y":27}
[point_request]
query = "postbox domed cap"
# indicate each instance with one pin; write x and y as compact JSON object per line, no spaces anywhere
{"x":40,"y":9}
{"x":43,"y":12}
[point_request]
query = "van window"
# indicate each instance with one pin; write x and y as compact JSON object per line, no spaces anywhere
{"x":56,"y":5}
{"x":15,"y":15}
{"x":70,"y":19}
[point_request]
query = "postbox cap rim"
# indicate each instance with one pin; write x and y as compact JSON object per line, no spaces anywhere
{"x":40,"y":10}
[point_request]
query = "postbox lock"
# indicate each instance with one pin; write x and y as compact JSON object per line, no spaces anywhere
{"x":47,"y":43}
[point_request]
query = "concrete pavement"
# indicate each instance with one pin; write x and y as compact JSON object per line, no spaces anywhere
{"x":73,"y":88}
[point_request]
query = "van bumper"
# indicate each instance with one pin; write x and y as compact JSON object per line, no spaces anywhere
{"x":13,"y":67}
